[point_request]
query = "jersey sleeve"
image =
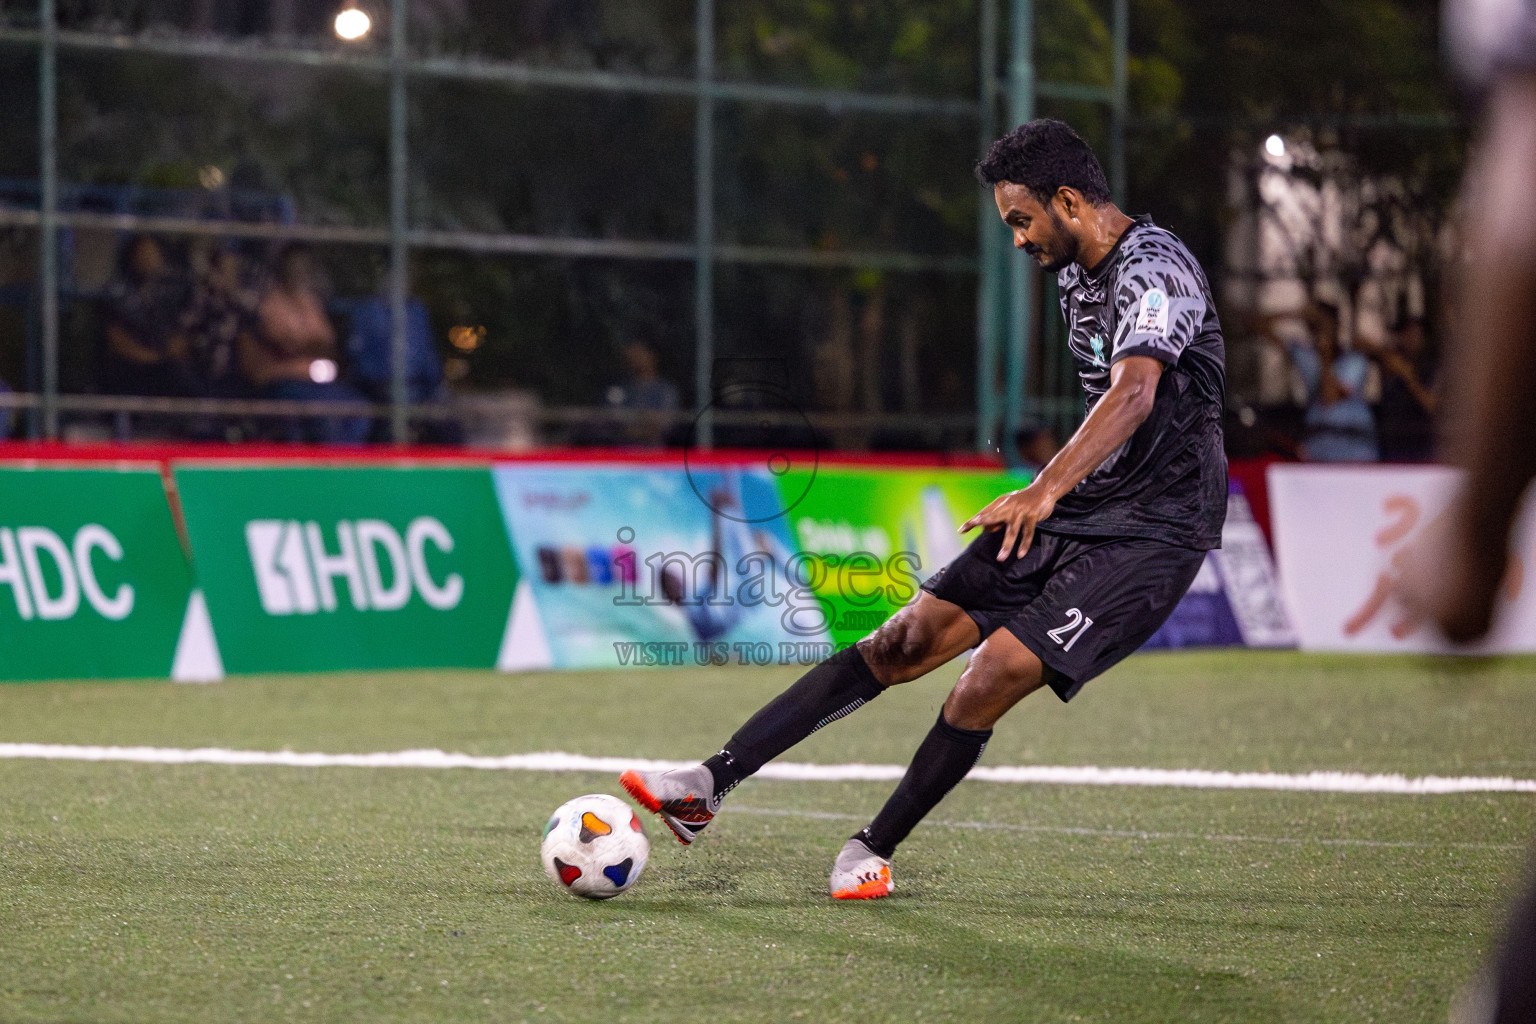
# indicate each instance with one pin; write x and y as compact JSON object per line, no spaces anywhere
{"x":1159,"y":307}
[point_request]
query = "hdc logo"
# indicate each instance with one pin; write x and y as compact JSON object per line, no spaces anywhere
{"x":296,"y":572}
{"x":54,"y":592}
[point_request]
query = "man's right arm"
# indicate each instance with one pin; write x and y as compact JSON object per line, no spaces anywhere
{"x":1115,"y":417}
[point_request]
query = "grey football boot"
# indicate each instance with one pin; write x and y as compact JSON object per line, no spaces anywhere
{"x":683,"y":798}
{"x":860,"y":873}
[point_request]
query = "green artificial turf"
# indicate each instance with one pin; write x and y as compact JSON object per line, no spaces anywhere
{"x":152,"y":893}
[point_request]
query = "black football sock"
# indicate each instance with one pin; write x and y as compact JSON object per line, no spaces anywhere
{"x":837,"y":687}
{"x":941,"y":761}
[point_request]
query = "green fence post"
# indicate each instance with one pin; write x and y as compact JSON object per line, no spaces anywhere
{"x":399,"y":224}
{"x":704,"y":220}
{"x":1021,"y":278}
{"x":1118,"y":106}
{"x":48,"y":226}
{"x":990,"y":265}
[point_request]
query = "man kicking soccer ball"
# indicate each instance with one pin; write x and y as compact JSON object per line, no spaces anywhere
{"x":1075,"y":571}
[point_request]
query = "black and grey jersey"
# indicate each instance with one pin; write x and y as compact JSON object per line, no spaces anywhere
{"x":1149,"y":297}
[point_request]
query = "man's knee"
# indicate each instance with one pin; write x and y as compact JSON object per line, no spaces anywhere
{"x":917,"y":639}
{"x":896,"y":651}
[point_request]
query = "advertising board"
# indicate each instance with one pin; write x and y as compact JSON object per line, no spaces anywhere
{"x":632,"y":567}
{"x":93,"y":579}
{"x":1341,"y":535}
{"x":327,"y":568}
{"x":873,"y":536}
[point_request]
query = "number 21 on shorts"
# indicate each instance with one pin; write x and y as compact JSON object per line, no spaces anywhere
{"x":1067,"y":635}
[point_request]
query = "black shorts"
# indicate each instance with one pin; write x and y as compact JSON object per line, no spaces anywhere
{"x":1081,"y":604}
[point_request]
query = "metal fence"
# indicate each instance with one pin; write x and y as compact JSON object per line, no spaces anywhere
{"x":1008,"y":304}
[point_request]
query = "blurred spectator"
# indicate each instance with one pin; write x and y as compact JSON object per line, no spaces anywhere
{"x":1339,"y":424}
{"x":1407,"y":408}
{"x":370,"y":352}
{"x":292,"y":355}
{"x":644,"y":389}
{"x":142,"y":308}
{"x":219,"y":321}
{"x":1389,"y":328}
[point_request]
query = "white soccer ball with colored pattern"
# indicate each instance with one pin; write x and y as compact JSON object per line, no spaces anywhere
{"x":595,"y":846}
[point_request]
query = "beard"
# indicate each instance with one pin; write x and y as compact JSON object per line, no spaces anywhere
{"x":1054,"y":261}
{"x":1061,"y":250}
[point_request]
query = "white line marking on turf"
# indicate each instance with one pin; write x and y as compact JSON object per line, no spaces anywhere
{"x":1087,"y":775}
{"x":1117,"y":833}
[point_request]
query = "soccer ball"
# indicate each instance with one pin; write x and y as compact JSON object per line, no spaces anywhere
{"x":595,"y":847}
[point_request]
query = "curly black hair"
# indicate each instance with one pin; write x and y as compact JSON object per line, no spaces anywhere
{"x":1043,"y":155}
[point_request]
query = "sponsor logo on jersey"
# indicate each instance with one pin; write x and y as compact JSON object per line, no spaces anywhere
{"x":1097,"y":341}
{"x":1152,"y":318}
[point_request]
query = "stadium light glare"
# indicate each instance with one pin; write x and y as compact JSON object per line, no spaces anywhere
{"x":323,"y":371}
{"x":466,"y":339}
{"x":1274,"y":146}
{"x":352,"y":23}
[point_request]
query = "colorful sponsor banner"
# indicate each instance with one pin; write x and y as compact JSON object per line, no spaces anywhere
{"x":324,"y":568}
{"x":1235,"y":599}
{"x":872,"y":536}
{"x":1341,"y":533}
{"x":637,"y":567}
{"x":93,"y":579}
{"x":336,"y":568}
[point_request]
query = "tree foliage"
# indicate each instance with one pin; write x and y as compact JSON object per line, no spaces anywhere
{"x":1205,"y":75}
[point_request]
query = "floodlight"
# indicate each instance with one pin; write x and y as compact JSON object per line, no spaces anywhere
{"x":352,"y":23}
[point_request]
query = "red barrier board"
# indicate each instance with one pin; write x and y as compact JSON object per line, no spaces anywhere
{"x":54,"y":451}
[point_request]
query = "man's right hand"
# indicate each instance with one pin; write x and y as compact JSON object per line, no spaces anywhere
{"x":1017,"y":513}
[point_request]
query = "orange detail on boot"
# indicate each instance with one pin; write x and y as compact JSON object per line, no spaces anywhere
{"x":870,"y":888}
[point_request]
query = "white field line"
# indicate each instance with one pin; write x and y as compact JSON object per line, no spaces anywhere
{"x":1087,"y":775}
{"x":1138,"y":834}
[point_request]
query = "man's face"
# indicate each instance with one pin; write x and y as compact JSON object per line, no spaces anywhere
{"x":1037,"y":228}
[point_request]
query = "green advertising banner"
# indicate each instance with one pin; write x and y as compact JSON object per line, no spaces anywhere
{"x":93,"y":579}
{"x":873,"y":536}
{"x":322,"y":568}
